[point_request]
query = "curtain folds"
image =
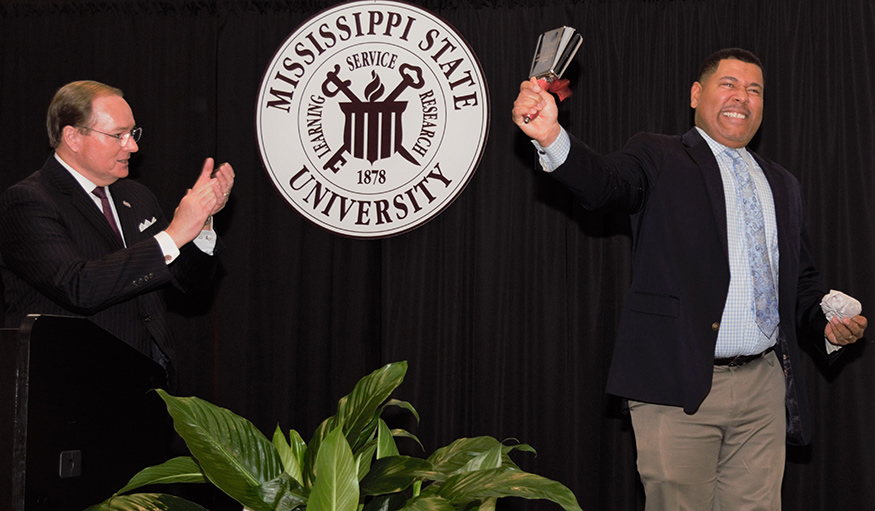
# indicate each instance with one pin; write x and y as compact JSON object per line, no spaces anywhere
{"x":506,"y":304}
{"x":18,"y":8}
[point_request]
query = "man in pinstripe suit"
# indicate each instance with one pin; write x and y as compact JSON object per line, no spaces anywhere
{"x":78,"y":238}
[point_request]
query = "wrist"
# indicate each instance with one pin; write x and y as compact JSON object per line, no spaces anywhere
{"x":548,"y":139}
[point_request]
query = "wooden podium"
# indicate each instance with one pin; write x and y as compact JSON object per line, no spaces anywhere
{"x":77,"y":419}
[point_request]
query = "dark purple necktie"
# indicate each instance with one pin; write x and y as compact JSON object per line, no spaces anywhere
{"x":107,"y":211}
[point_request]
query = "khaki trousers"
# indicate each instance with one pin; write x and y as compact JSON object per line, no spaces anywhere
{"x":728,"y":456}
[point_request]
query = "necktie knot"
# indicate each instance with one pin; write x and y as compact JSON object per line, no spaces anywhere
{"x":739,"y":165}
{"x":735,"y":154}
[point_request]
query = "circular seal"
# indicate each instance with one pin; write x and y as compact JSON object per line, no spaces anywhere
{"x":372,"y":117}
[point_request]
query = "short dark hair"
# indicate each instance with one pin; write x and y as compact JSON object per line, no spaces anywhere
{"x":710,"y":65}
{"x":71,"y":106}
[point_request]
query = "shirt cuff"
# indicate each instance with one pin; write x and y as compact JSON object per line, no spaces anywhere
{"x":168,"y":247}
{"x":206,"y":241}
{"x":553,"y":156}
{"x":830,"y":347}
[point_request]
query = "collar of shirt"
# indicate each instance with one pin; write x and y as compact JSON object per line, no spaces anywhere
{"x":717,"y":147}
{"x":89,"y":187}
{"x":84,"y":182}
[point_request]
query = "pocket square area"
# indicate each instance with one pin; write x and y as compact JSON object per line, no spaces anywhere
{"x":146,"y":223}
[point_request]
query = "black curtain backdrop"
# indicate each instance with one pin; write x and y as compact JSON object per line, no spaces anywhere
{"x":506,"y":304}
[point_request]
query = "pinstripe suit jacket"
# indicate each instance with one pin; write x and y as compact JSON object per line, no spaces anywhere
{"x":58,"y":255}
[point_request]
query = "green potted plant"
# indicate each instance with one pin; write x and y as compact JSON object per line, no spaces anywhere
{"x":351,"y":463}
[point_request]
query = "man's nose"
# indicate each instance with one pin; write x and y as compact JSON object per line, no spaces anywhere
{"x":131,"y":145}
{"x":742,"y":96}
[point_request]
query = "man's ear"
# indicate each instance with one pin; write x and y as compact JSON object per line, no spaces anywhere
{"x":695,"y":90}
{"x":72,"y":137}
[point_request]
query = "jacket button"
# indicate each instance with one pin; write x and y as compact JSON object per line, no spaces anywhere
{"x":147,"y":318}
{"x":715,"y":326}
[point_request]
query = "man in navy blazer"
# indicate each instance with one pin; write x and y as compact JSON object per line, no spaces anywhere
{"x":65,"y":250}
{"x":713,"y":398}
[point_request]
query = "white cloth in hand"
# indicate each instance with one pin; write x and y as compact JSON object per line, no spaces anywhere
{"x":839,"y":305}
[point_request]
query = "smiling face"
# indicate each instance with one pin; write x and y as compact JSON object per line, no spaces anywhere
{"x":729,"y":102}
{"x":102,"y":159}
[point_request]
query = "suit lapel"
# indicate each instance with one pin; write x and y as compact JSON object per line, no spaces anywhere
{"x":781,"y":199}
{"x":65,"y":183}
{"x":701,"y":153}
{"x":779,"y":192}
{"x":125,"y":209}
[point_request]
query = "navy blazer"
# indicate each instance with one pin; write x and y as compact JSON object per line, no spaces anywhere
{"x":671,"y":187}
{"x":58,"y":255}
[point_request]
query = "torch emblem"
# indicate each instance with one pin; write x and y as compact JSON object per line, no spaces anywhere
{"x":372,"y":129}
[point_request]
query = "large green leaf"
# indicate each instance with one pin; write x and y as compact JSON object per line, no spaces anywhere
{"x":506,"y":482}
{"x":385,"y":441}
{"x":453,"y":458}
{"x":359,"y":408}
{"x":401,"y":433}
{"x":356,"y":413}
{"x":367,"y":434}
{"x":291,"y":454}
{"x":232,"y":453}
{"x":364,"y":457}
{"x":177,"y":470}
{"x":336,"y":487}
{"x":282,"y":494}
{"x":485,"y":460}
{"x":326,"y":427}
{"x":488,"y":504}
{"x":402,"y":404}
{"x":396,"y":473}
{"x":147,"y":502}
{"x":299,"y":448}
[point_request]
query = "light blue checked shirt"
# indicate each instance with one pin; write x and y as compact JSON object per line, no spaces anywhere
{"x":739,"y":334}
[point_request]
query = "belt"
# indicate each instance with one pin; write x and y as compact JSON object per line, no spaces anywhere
{"x":740,"y":360}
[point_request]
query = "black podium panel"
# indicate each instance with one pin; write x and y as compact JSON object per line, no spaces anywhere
{"x":78,"y":417}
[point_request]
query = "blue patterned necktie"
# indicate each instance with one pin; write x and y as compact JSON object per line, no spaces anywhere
{"x":765,"y":299}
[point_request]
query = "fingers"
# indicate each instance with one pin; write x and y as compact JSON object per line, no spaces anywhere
{"x":856,"y":326}
{"x":529,"y":102}
{"x":536,"y":113}
{"x":202,"y":201}
{"x":224,"y":182}
{"x":224,"y":174}
{"x":206,"y":174}
{"x":191,"y":214}
{"x":208,"y":167}
{"x":846,"y":330}
{"x":207,"y":197}
{"x":218,"y":180}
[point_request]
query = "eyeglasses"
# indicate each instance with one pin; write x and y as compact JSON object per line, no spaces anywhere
{"x":135,"y":133}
